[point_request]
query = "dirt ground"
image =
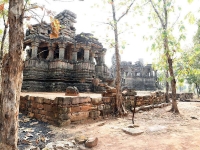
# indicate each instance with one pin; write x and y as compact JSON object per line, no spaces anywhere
{"x":162,"y":130}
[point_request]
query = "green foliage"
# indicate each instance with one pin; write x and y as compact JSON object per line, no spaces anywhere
{"x":165,"y":27}
{"x":190,"y":17}
{"x":190,"y":1}
{"x":1,"y":31}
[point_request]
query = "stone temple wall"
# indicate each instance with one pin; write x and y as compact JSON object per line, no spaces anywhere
{"x":55,"y":61}
{"x":136,"y":76}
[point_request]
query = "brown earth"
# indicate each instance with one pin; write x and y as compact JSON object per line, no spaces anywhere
{"x":162,"y":130}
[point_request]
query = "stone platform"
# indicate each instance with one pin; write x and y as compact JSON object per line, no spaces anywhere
{"x":61,"y":110}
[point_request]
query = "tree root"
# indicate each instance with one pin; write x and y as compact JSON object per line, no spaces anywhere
{"x":174,"y":111}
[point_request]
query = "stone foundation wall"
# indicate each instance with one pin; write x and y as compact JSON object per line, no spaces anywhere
{"x":182,"y":96}
{"x":62,"y":111}
{"x":153,"y":99}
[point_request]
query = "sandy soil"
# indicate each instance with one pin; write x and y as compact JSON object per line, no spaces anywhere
{"x":162,"y":130}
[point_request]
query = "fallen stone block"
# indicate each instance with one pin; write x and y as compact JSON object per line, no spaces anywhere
{"x":72,"y":91}
{"x":80,"y":139}
{"x":91,"y":142}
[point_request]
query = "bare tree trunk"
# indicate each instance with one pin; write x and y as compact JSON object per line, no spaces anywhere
{"x":174,"y":108}
{"x":164,"y":23}
{"x":167,"y":88}
{"x":12,"y":78}
{"x":118,"y":70}
{"x":173,"y":86}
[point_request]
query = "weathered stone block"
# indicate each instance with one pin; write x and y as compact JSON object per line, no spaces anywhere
{"x":96,"y":101}
{"x":48,"y":107}
{"x":29,"y":109}
{"x":32,"y":98}
{"x":78,"y":116}
{"x":63,"y":110}
{"x":47,"y":101}
{"x":85,"y":108}
{"x":55,"y":101}
{"x":39,"y":100}
{"x":74,"y":109}
{"x":34,"y":105}
{"x":59,"y":100}
{"x":80,"y":139}
{"x":35,"y":111}
{"x":80,"y":100}
{"x":106,"y":99}
{"x":67,"y":101}
{"x":40,"y":106}
{"x":94,"y":114}
{"x":43,"y":112}
{"x":63,"y":116}
{"x":52,"y":114}
{"x":72,"y":91}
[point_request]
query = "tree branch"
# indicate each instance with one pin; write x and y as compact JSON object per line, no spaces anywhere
{"x":161,"y":20}
{"x":124,"y":31}
{"x":107,"y":23}
{"x":127,"y":10}
{"x":176,"y":20}
{"x":165,"y":12}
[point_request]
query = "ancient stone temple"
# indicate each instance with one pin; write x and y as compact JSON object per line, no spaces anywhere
{"x":136,"y":76}
{"x":69,"y":60}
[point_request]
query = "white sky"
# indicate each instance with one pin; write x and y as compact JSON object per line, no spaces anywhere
{"x":88,"y":20}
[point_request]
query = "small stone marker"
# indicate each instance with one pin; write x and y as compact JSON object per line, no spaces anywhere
{"x":132,"y":131}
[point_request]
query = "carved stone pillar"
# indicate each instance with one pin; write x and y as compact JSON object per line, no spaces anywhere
{"x":102,"y":58}
{"x":51,"y":52}
{"x":61,"y":50}
{"x":92,"y":55}
{"x":74,"y":56}
{"x":34,"y":47}
{"x":86,"y":54}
